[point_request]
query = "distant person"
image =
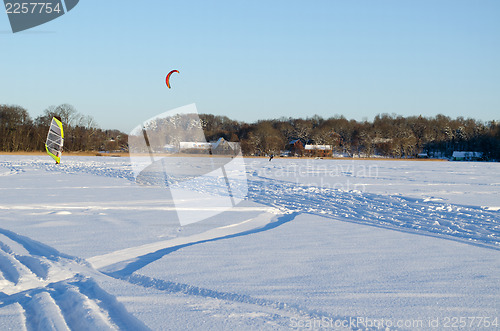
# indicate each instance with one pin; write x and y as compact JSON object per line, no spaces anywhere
{"x":271,"y":157}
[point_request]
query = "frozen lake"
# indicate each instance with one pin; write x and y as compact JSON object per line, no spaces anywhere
{"x":337,"y":244}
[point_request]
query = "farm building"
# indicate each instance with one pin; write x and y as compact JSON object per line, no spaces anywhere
{"x":466,"y":156}
{"x":318,"y":150}
{"x":296,"y":147}
{"x":224,"y":147}
{"x":219,"y":147}
{"x":191,"y":147}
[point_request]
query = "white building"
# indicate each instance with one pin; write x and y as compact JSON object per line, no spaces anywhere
{"x":466,"y":156}
{"x":183,"y":145}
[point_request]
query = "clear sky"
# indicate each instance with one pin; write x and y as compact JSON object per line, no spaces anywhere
{"x":259,"y":59}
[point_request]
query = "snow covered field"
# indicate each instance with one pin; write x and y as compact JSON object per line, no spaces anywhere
{"x":333,"y":244}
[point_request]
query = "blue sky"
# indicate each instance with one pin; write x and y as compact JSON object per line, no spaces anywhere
{"x":253,"y":60}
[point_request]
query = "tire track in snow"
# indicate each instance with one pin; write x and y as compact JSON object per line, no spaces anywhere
{"x":43,"y":313}
{"x":56,"y":291}
{"x":74,"y":304}
{"x":9,"y":271}
{"x":80,"y":312}
{"x":30,"y":265}
{"x":108,"y":303}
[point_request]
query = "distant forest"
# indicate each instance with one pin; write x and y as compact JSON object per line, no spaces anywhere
{"x":20,"y":133}
{"x":387,"y":135}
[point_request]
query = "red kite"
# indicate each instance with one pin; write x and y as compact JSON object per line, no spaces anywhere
{"x":167,"y":80}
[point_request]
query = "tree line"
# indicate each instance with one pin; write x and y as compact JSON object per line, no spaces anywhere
{"x":387,"y":135}
{"x":20,"y":133}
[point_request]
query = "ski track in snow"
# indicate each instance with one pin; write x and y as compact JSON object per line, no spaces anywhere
{"x":462,"y":223}
{"x":10,"y":169}
{"x":468,"y":224}
{"x":279,"y":311}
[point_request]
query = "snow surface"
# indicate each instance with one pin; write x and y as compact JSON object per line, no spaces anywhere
{"x":333,"y":244}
